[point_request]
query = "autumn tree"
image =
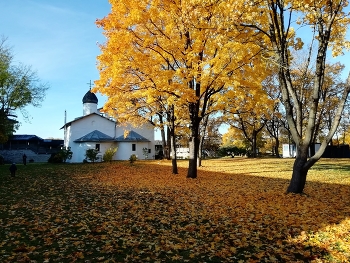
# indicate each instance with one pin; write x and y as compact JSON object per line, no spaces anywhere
{"x":274,"y":116}
{"x":19,"y":87}
{"x":186,"y":52}
{"x":326,"y":23}
{"x":247,"y":113}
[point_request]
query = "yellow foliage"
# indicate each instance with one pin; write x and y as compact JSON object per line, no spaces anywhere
{"x":235,"y":210}
{"x":159,"y":52}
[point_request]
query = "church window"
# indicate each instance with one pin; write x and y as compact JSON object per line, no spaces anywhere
{"x":133,"y":147}
{"x":97,"y":147}
{"x":149,"y":150}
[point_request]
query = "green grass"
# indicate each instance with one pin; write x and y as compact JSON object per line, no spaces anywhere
{"x":236,"y":211}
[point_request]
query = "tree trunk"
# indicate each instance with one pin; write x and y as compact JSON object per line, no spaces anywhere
{"x":277,"y":145}
{"x":173,"y":142}
{"x":162,"y":133}
{"x":254,"y":136}
{"x":200,"y":149}
{"x":192,"y":165}
{"x":168,"y":143}
{"x":194,"y":147}
{"x":202,"y":138}
{"x":300,"y":171}
{"x":173,"y":153}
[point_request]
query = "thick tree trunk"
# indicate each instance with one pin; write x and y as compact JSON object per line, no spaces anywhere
{"x":300,"y":171}
{"x":194,"y":147}
{"x":298,"y":180}
{"x":192,"y":165}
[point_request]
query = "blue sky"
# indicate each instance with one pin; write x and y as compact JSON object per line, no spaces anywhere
{"x":58,"y":38}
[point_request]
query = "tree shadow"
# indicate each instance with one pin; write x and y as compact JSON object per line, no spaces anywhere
{"x":143,"y":212}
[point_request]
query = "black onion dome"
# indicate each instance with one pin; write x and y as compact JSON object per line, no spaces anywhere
{"x":90,"y":97}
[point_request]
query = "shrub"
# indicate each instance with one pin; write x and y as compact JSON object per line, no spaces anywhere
{"x":66,"y":154}
{"x":61,"y":156}
{"x":232,"y":151}
{"x":145,"y":153}
{"x":108,"y":155}
{"x":132,"y":158}
{"x":2,"y":160}
{"x":91,"y":155}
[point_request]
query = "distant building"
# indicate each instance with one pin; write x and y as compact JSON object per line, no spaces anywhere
{"x":33,"y":143}
{"x":331,"y":151}
{"x":96,"y":130}
{"x":289,"y":150}
{"x":337,"y":151}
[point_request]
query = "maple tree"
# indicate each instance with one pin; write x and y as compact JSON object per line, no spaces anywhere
{"x":185,"y":52}
{"x":247,"y":113}
{"x":326,"y":22}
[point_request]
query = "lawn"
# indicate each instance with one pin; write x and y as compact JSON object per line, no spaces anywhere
{"x":235,"y":211}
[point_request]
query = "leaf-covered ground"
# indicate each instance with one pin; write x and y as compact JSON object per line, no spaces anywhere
{"x":236,"y":211}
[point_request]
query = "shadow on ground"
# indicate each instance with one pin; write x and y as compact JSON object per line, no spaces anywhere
{"x":136,"y":213}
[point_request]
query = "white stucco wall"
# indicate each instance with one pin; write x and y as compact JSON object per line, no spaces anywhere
{"x":81,"y":127}
{"x":89,"y":108}
{"x":147,"y":131}
{"x":125,"y":150}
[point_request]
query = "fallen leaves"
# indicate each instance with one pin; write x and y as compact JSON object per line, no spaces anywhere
{"x":142,"y":213}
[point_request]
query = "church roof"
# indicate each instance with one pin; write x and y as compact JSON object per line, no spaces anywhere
{"x":94,"y":136}
{"x":90,"y":97}
{"x":132,"y":137}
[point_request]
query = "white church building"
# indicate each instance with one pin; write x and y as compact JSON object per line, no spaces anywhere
{"x":95,"y":130}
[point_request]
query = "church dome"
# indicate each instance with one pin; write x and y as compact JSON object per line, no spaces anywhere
{"x":90,"y":97}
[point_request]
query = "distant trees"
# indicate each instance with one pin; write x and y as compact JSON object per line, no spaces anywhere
{"x":19,"y":87}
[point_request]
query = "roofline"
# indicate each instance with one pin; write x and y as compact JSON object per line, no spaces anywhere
{"x":82,"y":117}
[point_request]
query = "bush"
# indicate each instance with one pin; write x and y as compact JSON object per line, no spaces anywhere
{"x":108,"y":155}
{"x":2,"y":160}
{"x":91,"y":155}
{"x":66,"y":154}
{"x":232,"y":151}
{"x":145,"y":153}
{"x":61,"y":156}
{"x":132,"y":158}
{"x":55,"y":158}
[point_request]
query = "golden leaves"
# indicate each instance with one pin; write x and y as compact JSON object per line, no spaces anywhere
{"x":234,"y":212}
